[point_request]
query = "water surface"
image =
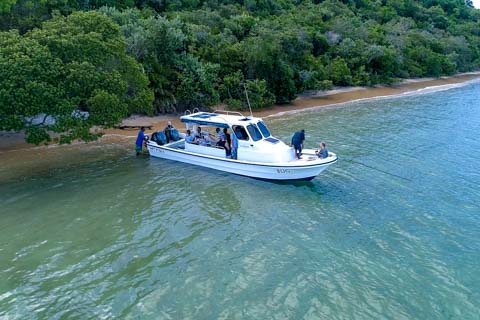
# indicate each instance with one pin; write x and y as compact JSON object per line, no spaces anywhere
{"x":391,"y":231}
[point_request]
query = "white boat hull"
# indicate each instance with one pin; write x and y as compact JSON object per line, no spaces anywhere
{"x":287,"y":171}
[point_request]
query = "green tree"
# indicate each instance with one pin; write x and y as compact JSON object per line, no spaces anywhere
{"x":67,"y":77}
{"x":6,"y":5}
{"x":234,"y":87}
{"x":339,"y":72}
{"x":258,"y":94}
{"x":29,"y":87}
{"x":198,"y":85}
{"x":264,"y":61}
{"x":191,"y":50}
{"x":94,"y":53}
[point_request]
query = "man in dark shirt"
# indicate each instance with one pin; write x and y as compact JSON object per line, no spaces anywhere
{"x":139,"y":142}
{"x":168,"y":131}
{"x":297,"y":142}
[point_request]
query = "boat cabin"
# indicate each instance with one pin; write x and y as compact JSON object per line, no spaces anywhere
{"x":255,"y":142}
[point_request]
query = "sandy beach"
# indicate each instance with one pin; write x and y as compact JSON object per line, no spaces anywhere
{"x":14,"y":143}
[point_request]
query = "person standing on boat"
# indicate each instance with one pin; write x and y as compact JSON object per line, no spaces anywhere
{"x":227,"y":137}
{"x":297,"y":142}
{"x":139,"y":142}
{"x":219,"y":137}
{"x":233,"y":145}
{"x":220,"y":133}
{"x":168,"y":131}
{"x":227,"y":143}
{"x":223,"y":143}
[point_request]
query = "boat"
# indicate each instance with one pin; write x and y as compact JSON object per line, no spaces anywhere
{"x":260,"y":155}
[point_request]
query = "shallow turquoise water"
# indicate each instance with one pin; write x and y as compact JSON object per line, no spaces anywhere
{"x":391,"y":231}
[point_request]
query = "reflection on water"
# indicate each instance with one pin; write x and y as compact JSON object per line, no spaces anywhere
{"x":389,"y":231}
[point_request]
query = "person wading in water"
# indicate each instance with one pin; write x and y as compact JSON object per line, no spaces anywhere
{"x":139,"y":142}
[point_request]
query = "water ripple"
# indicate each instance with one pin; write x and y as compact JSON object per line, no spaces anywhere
{"x":389,"y":232}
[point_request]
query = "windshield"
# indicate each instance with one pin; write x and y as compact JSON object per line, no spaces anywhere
{"x":254,"y":132}
{"x":264,"y":129}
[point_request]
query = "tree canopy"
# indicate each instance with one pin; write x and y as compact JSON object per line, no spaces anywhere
{"x":52,"y":77}
{"x":63,"y":59}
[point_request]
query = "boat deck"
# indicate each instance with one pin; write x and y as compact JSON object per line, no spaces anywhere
{"x":180,"y":144}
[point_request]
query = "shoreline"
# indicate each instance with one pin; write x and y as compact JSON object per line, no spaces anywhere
{"x":12,"y":142}
{"x":344,"y":95}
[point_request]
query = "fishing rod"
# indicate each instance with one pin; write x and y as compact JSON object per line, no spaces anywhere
{"x":248,"y":101}
{"x":379,"y":170}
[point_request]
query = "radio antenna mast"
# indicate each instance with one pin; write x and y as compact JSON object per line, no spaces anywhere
{"x":248,"y":101}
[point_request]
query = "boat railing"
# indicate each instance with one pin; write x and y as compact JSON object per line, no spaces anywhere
{"x":229,"y":112}
{"x":188,"y":112}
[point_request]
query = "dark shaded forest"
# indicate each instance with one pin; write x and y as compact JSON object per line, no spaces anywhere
{"x":68,"y":65}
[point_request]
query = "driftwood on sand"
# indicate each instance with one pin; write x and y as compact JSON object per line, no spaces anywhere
{"x":133,"y":127}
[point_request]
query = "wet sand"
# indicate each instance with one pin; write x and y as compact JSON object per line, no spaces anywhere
{"x":13,"y":146}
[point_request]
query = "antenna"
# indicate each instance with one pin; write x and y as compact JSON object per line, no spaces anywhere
{"x":248,"y":101}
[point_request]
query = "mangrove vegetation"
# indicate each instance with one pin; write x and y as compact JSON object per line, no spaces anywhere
{"x":67,"y":66}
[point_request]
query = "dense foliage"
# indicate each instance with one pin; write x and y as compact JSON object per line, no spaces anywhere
{"x":113,"y":58}
{"x":51,"y":76}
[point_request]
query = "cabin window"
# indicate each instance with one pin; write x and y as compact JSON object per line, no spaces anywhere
{"x":240,"y":132}
{"x":264,"y":129}
{"x":254,"y":132}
